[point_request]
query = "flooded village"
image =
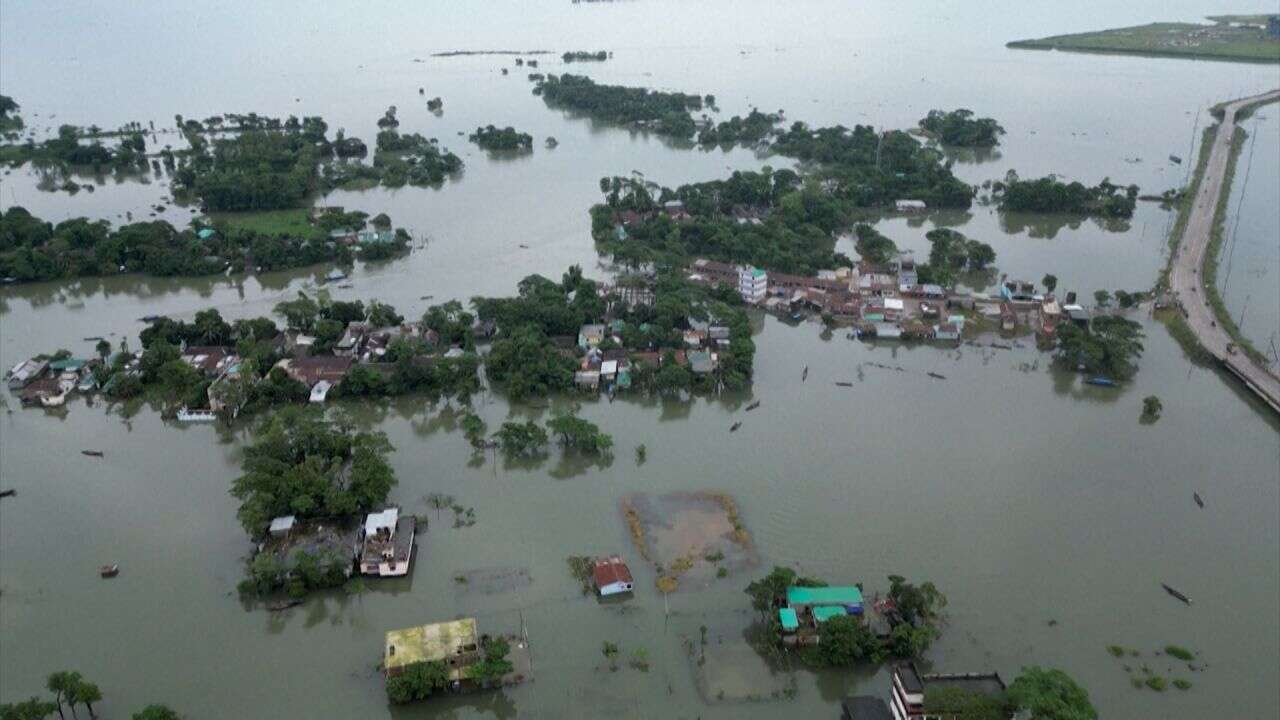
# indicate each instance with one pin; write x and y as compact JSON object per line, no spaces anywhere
{"x":879,"y":408}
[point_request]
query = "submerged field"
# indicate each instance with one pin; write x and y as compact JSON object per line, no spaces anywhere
{"x":1221,"y":41}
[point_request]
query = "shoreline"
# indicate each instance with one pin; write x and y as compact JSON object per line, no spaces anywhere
{"x":1216,"y":57}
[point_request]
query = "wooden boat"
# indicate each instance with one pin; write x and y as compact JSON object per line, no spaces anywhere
{"x":734,"y":427}
{"x":804,"y":375}
{"x":1197,"y":498}
{"x":279,"y":605}
{"x":1175,"y":159}
{"x":753,"y":406}
{"x":92,"y":453}
{"x":1176,"y":594}
{"x":844,"y":383}
{"x":109,"y":571}
{"x":937,"y":376}
{"x":8,"y":493}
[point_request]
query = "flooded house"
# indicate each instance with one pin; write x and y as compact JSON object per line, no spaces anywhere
{"x":454,"y":643}
{"x":910,"y":689}
{"x":288,"y":538}
{"x":910,"y":206}
{"x":611,"y":576}
{"x":805,"y":608}
{"x":210,"y":360}
{"x":387,"y":543}
{"x":312,"y":370}
{"x":20,"y":375}
{"x":352,"y":341}
{"x":753,"y":284}
{"x":702,"y":362}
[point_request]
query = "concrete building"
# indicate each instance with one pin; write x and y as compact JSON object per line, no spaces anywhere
{"x":387,"y":546}
{"x":753,"y":284}
{"x":910,"y":687}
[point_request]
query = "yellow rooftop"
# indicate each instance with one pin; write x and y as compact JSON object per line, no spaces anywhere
{"x":426,"y":643}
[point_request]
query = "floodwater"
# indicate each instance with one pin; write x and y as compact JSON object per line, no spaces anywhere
{"x":1041,"y":507}
{"x":1250,"y":259}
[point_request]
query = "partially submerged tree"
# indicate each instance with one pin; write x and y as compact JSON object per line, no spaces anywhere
{"x":1050,"y":694}
{"x":301,"y":465}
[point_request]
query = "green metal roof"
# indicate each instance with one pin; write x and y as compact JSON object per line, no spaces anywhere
{"x":757,"y":272}
{"x":788,"y":618}
{"x":67,"y":364}
{"x":823,"y":613}
{"x":206,"y":233}
{"x":849,"y":595}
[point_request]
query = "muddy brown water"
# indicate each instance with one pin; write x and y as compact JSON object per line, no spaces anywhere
{"x":1042,"y":507}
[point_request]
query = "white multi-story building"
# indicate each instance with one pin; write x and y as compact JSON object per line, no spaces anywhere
{"x":753,"y":284}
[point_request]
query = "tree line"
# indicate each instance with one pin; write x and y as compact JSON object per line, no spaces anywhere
{"x":32,"y":249}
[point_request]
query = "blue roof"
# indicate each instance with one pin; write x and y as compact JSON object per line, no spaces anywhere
{"x":847,"y":595}
{"x":823,"y":613}
{"x":788,"y":618}
{"x":206,"y":233}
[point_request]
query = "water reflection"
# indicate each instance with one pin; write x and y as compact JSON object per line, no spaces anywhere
{"x":972,"y":156}
{"x":1047,"y":226}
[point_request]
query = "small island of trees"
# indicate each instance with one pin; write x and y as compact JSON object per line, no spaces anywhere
{"x":1050,"y":195}
{"x":666,"y":113}
{"x":502,"y":139}
{"x":959,"y":128}
{"x":585,"y":55}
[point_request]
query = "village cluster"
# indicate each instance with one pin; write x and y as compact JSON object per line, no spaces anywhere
{"x":889,"y":302}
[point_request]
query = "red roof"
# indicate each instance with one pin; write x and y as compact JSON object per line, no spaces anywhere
{"x":611,"y":570}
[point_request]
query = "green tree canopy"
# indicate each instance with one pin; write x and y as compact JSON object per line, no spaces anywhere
{"x":1050,"y":694}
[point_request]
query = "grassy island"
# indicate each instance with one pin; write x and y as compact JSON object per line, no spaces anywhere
{"x":1232,"y":37}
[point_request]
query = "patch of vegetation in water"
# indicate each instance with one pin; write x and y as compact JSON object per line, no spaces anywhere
{"x":959,"y":128}
{"x":497,"y":139}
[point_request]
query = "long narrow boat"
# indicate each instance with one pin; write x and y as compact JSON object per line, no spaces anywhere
{"x":1176,"y":594}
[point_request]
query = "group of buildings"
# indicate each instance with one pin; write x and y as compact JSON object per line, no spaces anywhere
{"x":611,"y":368}
{"x":48,"y":382}
{"x":889,"y":301}
{"x":909,"y":689}
{"x":381,"y":546}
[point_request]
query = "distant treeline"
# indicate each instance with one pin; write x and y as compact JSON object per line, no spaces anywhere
{"x":584,"y":55}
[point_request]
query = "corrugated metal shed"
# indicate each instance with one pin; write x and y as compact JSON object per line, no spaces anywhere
{"x":846,"y":595}
{"x":824,"y":613}
{"x":788,"y":618}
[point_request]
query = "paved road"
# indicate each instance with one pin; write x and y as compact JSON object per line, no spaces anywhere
{"x":1185,"y":279}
